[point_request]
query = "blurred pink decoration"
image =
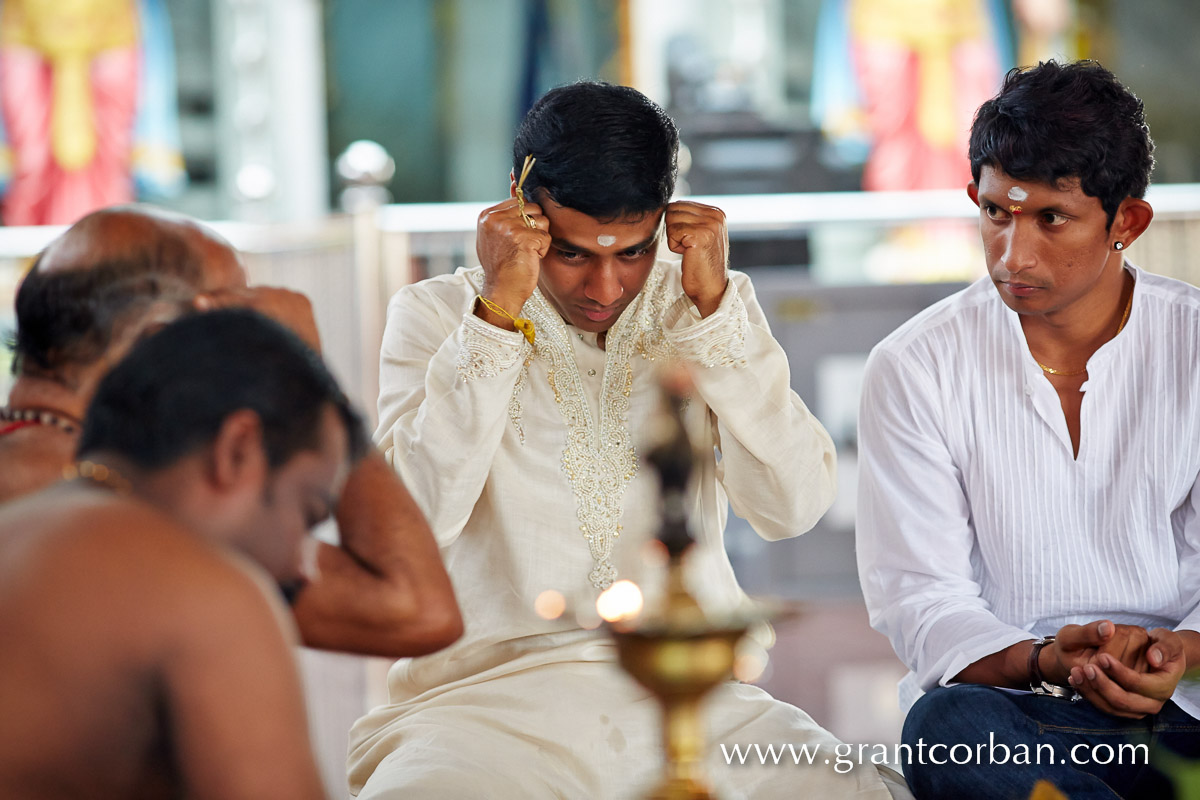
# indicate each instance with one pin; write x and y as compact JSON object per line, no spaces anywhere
{"x":43,"y":192}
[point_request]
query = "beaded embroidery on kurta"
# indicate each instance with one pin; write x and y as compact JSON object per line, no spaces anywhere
{"x":486,"y":351}
{"x":599,"y":459}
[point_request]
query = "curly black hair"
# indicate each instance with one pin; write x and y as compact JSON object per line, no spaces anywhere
{"x":1066,"y":121}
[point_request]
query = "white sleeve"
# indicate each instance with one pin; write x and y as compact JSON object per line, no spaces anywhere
{"x":1186,"y":522}
{"x":778,"y":464}
{"x":445,"y":381}
{"x":917,"y":554}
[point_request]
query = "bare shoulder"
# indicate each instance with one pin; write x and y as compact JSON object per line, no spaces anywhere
{"x":109,"y":560}
{"x":126,"y":633}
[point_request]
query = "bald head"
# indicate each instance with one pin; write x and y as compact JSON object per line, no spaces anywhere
{"x":147,"y":240}
{"x":113,"y":272}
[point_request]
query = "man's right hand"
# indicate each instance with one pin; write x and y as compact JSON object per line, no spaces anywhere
{"x":511,"y":254}
{"x":290,"y":309}
{"x":1075,"y":646}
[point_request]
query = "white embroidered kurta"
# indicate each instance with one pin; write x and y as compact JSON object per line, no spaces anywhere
{"x":524,"y":459}
{"x":978,"y":529}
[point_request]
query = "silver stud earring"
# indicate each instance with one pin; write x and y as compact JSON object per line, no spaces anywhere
{"x":1118,"y":245}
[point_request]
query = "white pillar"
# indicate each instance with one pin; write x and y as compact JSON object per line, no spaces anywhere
{"x":272,"y":154}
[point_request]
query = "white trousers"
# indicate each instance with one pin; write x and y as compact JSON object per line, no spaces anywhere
{"x":584,"y":731}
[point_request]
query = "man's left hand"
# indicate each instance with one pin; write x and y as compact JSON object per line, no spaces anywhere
{"x":1123,"y":691}
{"x":698,"y":233}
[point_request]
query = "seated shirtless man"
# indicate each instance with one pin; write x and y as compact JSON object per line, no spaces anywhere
{"x":145,"y":651}
{"x":92,"y":292}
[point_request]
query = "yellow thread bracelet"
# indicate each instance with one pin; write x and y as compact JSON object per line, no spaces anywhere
{"x":525,"y":326}
{"x":529,"y":162}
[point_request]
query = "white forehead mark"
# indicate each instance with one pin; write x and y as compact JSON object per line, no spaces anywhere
{"x":606,"y":240}
{"x":1017,"y":194}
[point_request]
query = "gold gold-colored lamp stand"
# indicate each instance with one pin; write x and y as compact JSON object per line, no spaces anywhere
{"x":677,"y":651}
{"x":680,"y":655}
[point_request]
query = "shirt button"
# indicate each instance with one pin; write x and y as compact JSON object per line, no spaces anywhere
{"x":592,"y":372}
{"x":1028,"y":390}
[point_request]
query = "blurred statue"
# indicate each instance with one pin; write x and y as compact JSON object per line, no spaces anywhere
{"x":908,"y":74}
{"x":896,"y":84}
{"x":87,"y":93}
{"x":1043,"y":30}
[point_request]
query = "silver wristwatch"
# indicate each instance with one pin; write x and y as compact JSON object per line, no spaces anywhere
{"x":1037,"y":683}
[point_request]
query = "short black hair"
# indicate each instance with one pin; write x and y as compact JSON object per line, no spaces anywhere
{"x":1061,"y":121}
{"x":70,"y":317}
{"x":170,"y":395}
{"x":603,"y":150}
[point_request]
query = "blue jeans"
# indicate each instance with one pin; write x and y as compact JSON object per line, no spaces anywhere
{"x":998,"y":744}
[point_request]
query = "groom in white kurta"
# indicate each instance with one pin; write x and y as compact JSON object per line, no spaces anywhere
{"x":522,"y":452}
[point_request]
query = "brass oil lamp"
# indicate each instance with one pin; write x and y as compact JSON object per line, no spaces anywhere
{"x":676,"y":650}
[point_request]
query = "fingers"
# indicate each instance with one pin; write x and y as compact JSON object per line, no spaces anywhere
{"x":698,"y":233}
{"x":220,"y":298}
{"x":1165,"y":648}
{"x":511,"y":252}
{"x":1149,"y":685}
{"x":533,"y":213}
{"x":291,"y":309}
{"x":1109,"y":696}
{"x":690,"y":225}
{"x":1080,"y":637}
{"x":509,"y":217}
{"x":1128,"y":645}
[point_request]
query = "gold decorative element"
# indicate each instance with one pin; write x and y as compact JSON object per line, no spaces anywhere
{"x":599,"y":459}
{"x":1053,"y":371}
{"x":676,"y":650}
{"x":69,"y":35}
{"x":1121,"y":327}
{"x":528,"y":165}
{"x":680,"y":657}
{"x":525,"y":326}
{"x":99,"y":474}
{"x":1015,"y":209}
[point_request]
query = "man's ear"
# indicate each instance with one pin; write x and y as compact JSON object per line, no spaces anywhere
{"x":1132,"y":218}
{"x":512,"y":184}
{"x":237,"y":451}
{"x":973,"y":192}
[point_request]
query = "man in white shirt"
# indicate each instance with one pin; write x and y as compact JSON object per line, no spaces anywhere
{"x":514,"y":398}
{"x":1029,"y":459}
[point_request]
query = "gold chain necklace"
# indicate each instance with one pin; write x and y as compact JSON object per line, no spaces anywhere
{"x":99,"y":474}
{"x":1121,"y":327}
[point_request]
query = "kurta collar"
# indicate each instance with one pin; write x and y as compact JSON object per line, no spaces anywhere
{"x":1101,"y":358}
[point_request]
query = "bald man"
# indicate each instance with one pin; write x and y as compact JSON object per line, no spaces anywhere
{"x":175,"y":244}
{"x":121,"y":272}
{"x":85,"y":300}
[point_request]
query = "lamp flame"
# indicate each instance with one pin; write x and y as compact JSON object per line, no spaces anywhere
{"x":621,"y":601}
